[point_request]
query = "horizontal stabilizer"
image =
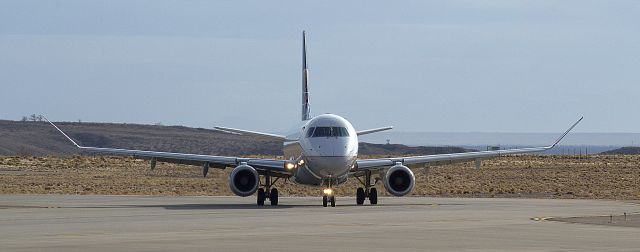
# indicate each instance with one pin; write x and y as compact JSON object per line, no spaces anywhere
{"x":369,"y":131}
{"x":251,"y":133}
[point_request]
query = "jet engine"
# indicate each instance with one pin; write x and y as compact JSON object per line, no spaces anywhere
{"x":244,"y":180}
{"x":399,"y":180}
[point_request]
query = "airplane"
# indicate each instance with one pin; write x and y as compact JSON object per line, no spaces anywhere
{"x":322,"y":151}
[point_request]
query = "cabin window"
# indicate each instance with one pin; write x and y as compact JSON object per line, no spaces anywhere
{"x":329,"y":132}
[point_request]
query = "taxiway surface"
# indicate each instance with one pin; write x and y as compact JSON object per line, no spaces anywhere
{"x":147,"y":223}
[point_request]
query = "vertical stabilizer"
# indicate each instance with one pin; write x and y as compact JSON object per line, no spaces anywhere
{"x":305,"y":80}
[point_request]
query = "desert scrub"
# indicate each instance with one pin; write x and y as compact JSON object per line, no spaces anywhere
{"x":592,"y":177}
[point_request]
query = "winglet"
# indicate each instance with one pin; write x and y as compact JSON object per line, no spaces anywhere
{"x":65,"y":135}
{"x":565,"y":133}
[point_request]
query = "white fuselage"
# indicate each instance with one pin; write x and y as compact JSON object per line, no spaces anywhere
{"x":328,"y":147}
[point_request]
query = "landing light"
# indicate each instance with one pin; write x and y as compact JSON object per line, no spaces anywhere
{"x":289,"y":166}
{"x":327,"y":191}
{"x":301,"y":162}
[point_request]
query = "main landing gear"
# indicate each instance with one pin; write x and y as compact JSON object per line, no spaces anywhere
{"x":268,"y":192}
{"x":369,"y":191}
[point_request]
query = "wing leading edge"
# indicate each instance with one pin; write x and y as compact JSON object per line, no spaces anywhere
{"x":262,"y":165}
{"x":374,"y":164}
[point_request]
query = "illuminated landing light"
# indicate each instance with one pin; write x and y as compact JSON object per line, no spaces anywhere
{"x":328,"y":191}
{"x":301,"y":162}
{"x":289,"y":166}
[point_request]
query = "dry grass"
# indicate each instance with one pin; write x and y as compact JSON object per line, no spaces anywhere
{"x":595,"y":177}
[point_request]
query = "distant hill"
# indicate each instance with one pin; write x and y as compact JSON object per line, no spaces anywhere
{"x":40,"y":138}
{"x":502,"y":138}
{"x":623,"y":151}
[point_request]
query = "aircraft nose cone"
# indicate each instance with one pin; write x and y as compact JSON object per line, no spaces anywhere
{"x":333,"y":166}
{"x":334,"y":149}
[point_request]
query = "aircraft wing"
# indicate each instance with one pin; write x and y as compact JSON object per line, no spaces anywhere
{"x":272,"y":166}
{"x":416,"y":161}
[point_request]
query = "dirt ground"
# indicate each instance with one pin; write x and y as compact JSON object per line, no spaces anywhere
{"x":592,"y":177}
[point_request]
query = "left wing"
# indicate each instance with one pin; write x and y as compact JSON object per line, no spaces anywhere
{"x":271,"y":166}
{"x":375,"y":164}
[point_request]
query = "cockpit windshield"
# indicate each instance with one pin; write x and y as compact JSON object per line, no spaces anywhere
{"x":327,"y":132}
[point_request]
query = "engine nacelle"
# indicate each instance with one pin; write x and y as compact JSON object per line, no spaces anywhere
{"x":244,"y":180}
{"x":399,"y":180}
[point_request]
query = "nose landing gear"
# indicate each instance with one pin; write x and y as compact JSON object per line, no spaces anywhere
{"x":369,"y":191}
{"x":326,"y":199}
{"x":328,"y":196}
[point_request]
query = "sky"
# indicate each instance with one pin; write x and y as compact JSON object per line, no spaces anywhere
{"x":436,"y":66}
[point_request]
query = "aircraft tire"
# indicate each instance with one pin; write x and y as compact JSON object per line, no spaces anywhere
{"x":261,"y":197}
{"x":373,"y":196}
{"x":360,"y":196}
{"x":273,"y":197}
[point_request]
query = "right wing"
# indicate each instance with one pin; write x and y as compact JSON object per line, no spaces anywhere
{"x":381,"y":163}
{"x":272,"y":166}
